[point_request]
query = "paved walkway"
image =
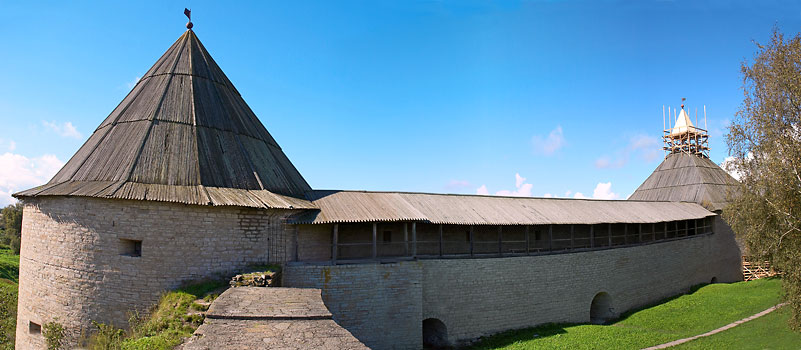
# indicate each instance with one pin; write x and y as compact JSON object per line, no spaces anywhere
{"x":721,"y":329}
{"x":270,"y":318}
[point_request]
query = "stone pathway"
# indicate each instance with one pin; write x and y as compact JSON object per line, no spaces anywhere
{"x":270,"y":318}
{"x":721,"y":329}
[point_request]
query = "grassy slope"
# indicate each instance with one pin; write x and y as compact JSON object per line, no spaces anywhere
{"x":709,"y":307}
{"x":9,"y":264}
{"x":166,"y":326}
{"x":767,"y":332}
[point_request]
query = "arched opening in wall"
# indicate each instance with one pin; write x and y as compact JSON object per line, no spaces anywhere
{"x":714,"y":280}
{"x":435,"y":334}
{"x":601,"y":310}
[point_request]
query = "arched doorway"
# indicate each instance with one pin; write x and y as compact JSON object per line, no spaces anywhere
{"x":435,"y":334}
{"x":601,"y":310}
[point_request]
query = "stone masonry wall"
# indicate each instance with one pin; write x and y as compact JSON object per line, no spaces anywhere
{"x":477,"y":297}
{"x":71,"y":267}
{"x":380,"y":304}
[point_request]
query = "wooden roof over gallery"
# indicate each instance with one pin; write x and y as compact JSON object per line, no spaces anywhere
{"x":183,"y":134}
{"x":369,"y":206}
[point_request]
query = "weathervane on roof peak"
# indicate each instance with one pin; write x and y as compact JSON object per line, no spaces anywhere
{"x":188,"y":14}
{"x":682,"y":102}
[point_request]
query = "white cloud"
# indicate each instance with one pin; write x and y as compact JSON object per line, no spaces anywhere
{"x":66,"y":129}
{"x":604,"y":191}
{"x":728,"y":166}
{"x":522,"y":189}
{"x":547,"y":195}
{"x":18,"y":173}
{"x":643,"y":146}
{"x":458,"y":184}
{"x":550,"y":144}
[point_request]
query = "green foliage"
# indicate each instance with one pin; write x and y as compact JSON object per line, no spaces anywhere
{"x":11,"y":226}
{"x":9,"y":264}
{"x":54,"y":333}
{"x":106,"y":337}
{"x":705,"y":309}
{"x":8,"y":313}
{"x":765,"y":140}
{"x":168,"y":323}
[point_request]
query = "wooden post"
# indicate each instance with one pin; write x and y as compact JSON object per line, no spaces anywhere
{"x":625,"y":234}
{"x":471,"y":240}
{"x":665,"y":230}
{"x":500,"y":240}
{"x":571,"y":237}
{"x":334,"y":244}
{"x":550,"y":238}
{"x":405,"y":239}
{"x":297,"y":255}
{"x":639,"y":230}
{"x":527,"y":240}
{"x":414,"y":239}
{"x":592,"y":236}
{"x":375,"y":240}
{"x":609,"y":238}
{"x":440,"y":239}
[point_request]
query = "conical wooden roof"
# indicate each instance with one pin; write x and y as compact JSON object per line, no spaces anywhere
{"x":687,"y":178}
{"x":183,"y":134}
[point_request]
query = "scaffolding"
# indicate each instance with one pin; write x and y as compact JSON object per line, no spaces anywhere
{"x":684,"y":137}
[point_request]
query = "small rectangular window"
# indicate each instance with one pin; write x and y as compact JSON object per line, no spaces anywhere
{"x":130,"y":247}
{"x":34,"y":328}
{"x":387,"y":236}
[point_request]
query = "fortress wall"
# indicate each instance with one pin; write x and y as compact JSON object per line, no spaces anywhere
{"x":476,"y":297}
{"x":71,"y":267}
{"x":380,"y":304}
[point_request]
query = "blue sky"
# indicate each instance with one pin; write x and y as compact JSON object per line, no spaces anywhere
{"x":518,"y":97}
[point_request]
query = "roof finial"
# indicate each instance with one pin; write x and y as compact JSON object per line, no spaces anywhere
{"x":188,"y":14}
{"x":682,"y":102}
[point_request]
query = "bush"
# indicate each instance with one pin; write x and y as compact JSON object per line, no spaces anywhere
{"x":53,"y":333}
{"x":107,"y":337}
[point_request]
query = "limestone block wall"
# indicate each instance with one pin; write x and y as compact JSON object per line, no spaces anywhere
{"x":380,"y":304}
{"x":74,"y":267}
{"x":477,"y":297}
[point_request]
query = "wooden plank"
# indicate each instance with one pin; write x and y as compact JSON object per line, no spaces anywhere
{"x":527,"y":240}
{"x":334,"y":243}
{"x":414,"y":239}
{"x":375,"y":240}
{"x":500,"y":240}
{"x":440,"y":239}
{"x":405,"y":238}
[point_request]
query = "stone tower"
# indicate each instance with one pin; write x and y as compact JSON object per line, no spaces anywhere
{"x":180,"y":182}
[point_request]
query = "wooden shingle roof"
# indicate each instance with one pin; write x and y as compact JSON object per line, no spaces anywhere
{"x":371,"y":206}
{"x":688,"y":178}
{"x":183,"y":134}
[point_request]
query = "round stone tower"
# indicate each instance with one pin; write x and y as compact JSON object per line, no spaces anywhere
{"x":181,"y":182}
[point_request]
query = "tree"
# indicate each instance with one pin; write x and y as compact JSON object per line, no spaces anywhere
{"x":11,"y":218}
{"x":765,"y":140}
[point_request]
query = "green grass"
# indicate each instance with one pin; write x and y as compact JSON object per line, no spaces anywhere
{"x":9,"y":264}
{"x":767,"y":332}
{"x":9,"y":276}
{"x":165,"y":327}
{"x":704,"y":309}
